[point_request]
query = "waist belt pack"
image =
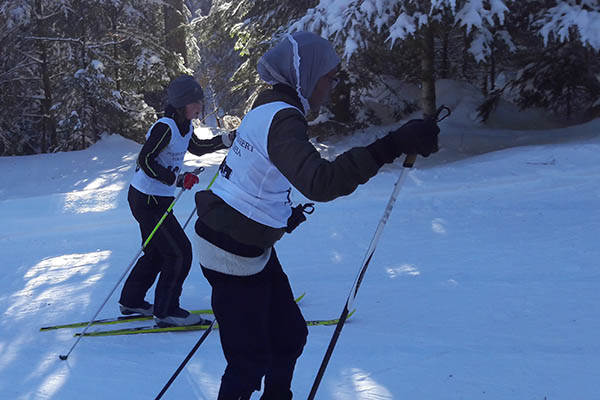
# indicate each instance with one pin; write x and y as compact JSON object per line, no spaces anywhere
{"x":298,"y":216}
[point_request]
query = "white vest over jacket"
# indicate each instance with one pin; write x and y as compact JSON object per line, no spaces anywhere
{"x":248,"y":181}
{"x":170,"y":157}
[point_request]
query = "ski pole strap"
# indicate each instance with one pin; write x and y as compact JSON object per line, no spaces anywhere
{"x":444,"y":116}
{"x":308,"y":208}
{"x":441,"y":114}
{"x":198,"y":170}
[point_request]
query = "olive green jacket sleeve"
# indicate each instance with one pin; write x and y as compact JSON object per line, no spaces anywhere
{"x":299,"y":161}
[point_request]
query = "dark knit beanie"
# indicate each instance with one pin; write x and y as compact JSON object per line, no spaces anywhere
{"x":184,"y":90}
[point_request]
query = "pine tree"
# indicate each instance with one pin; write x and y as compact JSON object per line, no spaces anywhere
{"x":556,"y":64}
{"x":413,"y":25}
{"x":231,"y":40}
{"x":175,"y":27}
{"x":565,"y":74}
{"x":28,"y":124}
{"x":84,"y":68}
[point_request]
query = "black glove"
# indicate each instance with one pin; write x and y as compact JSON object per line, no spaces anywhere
{"x":417,"y":136}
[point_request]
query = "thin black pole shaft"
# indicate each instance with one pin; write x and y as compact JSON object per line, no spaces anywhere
{"x":203,"y":337}
{"x":328,"y":353}
{"x":408,"y":163}
{"x":167,"y":212}
{"x":158,"y":225}
{"x":185,"y":361}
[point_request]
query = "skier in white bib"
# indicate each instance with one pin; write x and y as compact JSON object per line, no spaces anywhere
{"x":169,"y":254}
{"x":248,"y":209}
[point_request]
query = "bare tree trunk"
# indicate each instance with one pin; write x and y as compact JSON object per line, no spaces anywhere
{"x":117,"y":70}
{"x":427,"y":73}
{"x":48,"y":138}
{"x":114,"y":27}
{"x":465,"y":53}
{"x":216,"y":108}
{"x":49,"y":122}
{"x":484,"y":83}
{"x":175,"y":27}
{"x":493,"y":67}
{"x":84,"y":62}
{"x":445,"y":67}
{"x":569,"y":97}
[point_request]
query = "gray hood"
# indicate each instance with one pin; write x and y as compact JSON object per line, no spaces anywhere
{"x":299,"y":61}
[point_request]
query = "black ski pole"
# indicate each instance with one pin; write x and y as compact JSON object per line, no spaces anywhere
{"x":408,"y":163}
{"x":169,"y":209}
{"x":203,"y":337}
{"x":185,"y":361}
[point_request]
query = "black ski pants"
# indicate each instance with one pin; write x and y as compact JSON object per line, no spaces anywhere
{"x":169,"y":254}
{"x":262,"y":331}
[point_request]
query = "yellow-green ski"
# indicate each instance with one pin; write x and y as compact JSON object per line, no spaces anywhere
{"x":156,"y":329}
{"x":127,"y":318}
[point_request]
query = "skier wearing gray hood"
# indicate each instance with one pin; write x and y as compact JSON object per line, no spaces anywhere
{"x":248,"y":209}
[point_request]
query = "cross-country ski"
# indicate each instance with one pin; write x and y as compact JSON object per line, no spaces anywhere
{"x":189,"y":328}
{"x":125,"y":318}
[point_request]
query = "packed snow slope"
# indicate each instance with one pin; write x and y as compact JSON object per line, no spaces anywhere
{"x":485,"y":283}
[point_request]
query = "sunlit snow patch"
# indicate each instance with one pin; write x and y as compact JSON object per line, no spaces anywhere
{"x":91,"y":201}
{"x":43,"y":280}
{"x":405,"y":269}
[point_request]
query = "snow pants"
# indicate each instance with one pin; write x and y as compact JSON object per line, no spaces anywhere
{"x":169,"y":254}
{"x":262,"y":331}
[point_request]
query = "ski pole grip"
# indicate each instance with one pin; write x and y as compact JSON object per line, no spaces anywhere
{"x":409,"y":161}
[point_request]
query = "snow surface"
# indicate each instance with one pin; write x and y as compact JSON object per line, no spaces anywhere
{"x":485,"y":283}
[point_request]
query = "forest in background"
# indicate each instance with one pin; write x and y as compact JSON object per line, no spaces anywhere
{"x":73,"y":70}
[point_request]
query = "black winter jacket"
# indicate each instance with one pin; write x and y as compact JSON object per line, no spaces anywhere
{"x":297,"y":159}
